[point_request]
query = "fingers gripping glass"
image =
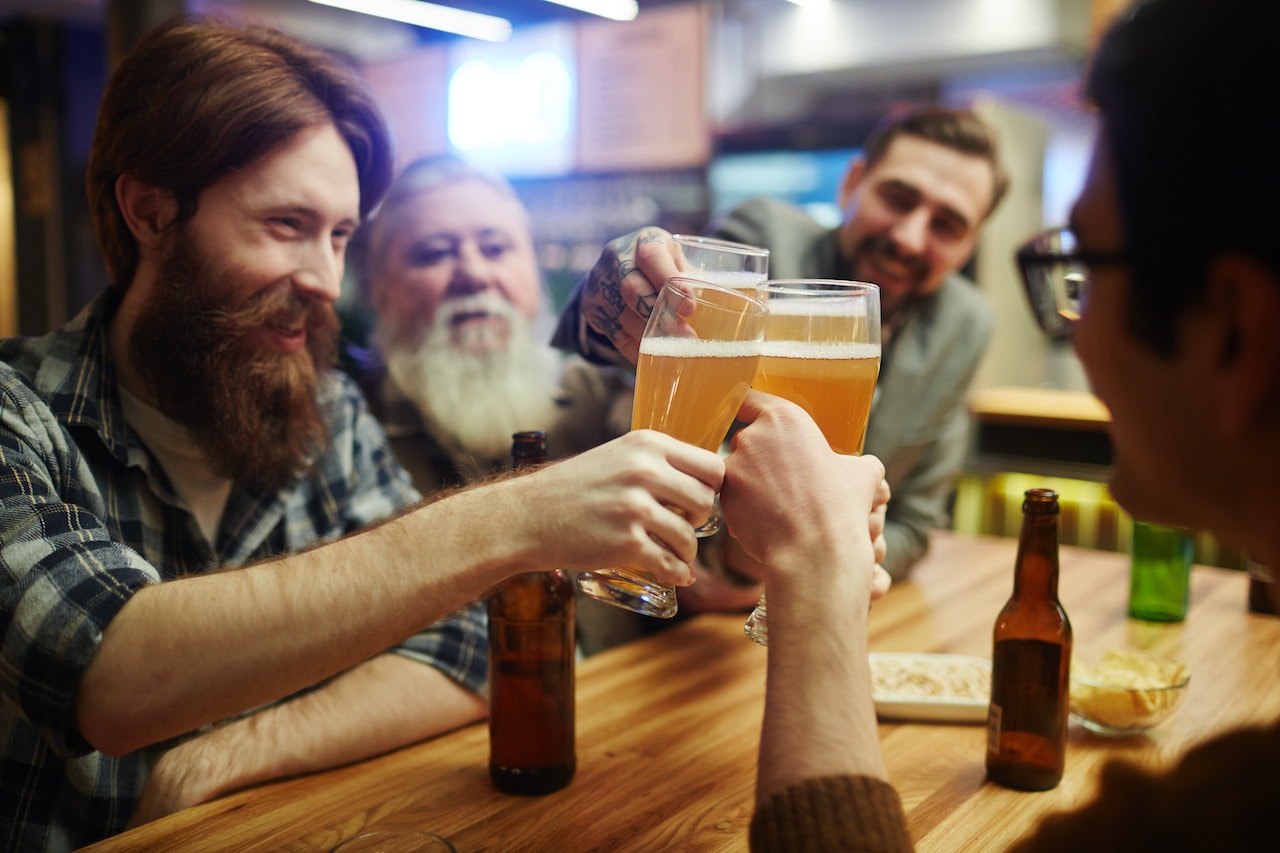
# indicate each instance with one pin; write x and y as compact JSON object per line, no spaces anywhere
{"x":728,"y":264}
{"x":1055,"y":273}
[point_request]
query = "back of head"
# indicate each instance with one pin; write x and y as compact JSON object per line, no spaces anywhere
{"x":959,"y":130}
{"x":197,"y":99}
{"x":1183,"y":88}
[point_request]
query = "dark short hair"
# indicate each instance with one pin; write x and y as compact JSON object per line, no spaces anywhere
{"x":1183,"y":89}
{"x":959,"y":130}
{"x":198,"y":98}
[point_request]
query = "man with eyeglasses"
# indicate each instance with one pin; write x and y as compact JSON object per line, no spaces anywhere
{"x":1055,"y":273}
{"x":1168,"y":285}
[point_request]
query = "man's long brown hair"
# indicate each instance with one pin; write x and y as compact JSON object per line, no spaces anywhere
{"x":197,"y":98}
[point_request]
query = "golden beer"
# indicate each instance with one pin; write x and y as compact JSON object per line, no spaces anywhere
{"x":833,"y":382}
{"x":818,"y":354}
{"x":698,"y":355}
{"x":690,"y":388}
{"x":821,"y":352}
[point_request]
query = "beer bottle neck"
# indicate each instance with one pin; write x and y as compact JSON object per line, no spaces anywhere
{"x":1036,"y":573}
{"x":528,"y":448}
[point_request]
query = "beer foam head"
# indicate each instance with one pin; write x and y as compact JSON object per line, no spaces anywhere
{"x":821,"y":349}
{"x":697,"y":348}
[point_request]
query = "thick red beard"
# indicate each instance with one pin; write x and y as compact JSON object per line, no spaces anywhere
{"x":253,"y":411}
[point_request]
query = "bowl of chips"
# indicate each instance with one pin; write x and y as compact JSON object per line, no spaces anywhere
{"x":1125,"y":691}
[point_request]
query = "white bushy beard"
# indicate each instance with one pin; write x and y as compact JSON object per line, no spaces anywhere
{"x":473,"y":402}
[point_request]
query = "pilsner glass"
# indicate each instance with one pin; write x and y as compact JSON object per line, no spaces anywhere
{"x":728,"y":264}
{"x":821,"y":352}
{"x":698,"y":355}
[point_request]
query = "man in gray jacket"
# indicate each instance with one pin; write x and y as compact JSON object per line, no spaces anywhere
{"x":914,"y":203}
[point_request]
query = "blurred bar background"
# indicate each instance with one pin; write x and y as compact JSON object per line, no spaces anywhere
{"x":668,"y":118}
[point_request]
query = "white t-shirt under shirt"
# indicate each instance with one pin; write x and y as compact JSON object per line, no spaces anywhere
{"x":204,"y":492}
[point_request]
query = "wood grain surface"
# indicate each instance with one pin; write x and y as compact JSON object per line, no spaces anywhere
{"x":668,"y":729}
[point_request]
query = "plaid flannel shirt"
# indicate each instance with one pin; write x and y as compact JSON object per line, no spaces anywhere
{"x":87,"y":517}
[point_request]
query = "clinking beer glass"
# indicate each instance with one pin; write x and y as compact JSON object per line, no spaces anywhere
{"x":728,"y":264}
{"x":821,"y":352}
{"x":698,"y":356}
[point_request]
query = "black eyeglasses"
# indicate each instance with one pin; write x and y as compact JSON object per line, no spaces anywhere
{"x":1056,"y":276}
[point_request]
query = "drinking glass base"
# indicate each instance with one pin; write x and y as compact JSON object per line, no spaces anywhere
{"x":613,"y":587}
{"x":757,"y":627}
{"x":712,"y":525}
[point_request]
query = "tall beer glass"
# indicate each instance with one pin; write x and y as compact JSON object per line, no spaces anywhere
{"x":698,"y":355}
{"x":728,"y":264}
{"x":821,"y":352}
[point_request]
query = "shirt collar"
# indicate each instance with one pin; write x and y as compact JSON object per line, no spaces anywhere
{"x":78,"y":379}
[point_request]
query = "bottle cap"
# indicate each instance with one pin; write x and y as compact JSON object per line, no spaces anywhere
{"x":1040,"y":501}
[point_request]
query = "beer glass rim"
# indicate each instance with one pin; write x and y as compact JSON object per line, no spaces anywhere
{"x":723,"y":245}
{"x":758,"y":306}
{"x":810,"y":286}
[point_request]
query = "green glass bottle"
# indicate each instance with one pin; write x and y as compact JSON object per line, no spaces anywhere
{"x":1160,"y":573}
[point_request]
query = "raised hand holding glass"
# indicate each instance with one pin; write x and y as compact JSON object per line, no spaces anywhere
{"x":821,"y":352}
{"x":698,"y":356}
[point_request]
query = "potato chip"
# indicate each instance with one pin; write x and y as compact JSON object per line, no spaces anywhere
{"x":1126,"y":689}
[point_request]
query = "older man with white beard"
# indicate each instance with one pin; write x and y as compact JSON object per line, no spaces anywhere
{"x":477,"y":376}
{"x":459,"y":362}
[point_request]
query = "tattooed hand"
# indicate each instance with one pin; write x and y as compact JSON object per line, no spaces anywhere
{"x":620,"y":290}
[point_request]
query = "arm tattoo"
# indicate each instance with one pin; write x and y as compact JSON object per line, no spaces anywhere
{"x":608,"y":291}
{"x":606,"y":324}
{"x":644,"y":305}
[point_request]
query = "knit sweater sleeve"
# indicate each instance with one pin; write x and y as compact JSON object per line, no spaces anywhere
{"x":858,"y":814}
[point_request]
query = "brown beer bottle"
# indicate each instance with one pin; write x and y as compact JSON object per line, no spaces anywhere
{"x":1262,"y":591}
{"x":1031,"y":660}
{"x":531,"y":670}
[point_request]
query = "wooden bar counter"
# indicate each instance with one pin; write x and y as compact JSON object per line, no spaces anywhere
{"x":668,"y":730}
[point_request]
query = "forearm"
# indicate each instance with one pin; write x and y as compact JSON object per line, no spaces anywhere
{"x":186,"y":653}
{"x":819,"y":718}
{"x":379,"y":705}
{"x":182,"y":654}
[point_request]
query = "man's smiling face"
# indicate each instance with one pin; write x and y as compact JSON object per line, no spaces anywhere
{"x":913,"y":218}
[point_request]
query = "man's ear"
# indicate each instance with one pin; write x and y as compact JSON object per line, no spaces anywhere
{"x":1244,"y":300}
{"x":852,"y":175}
{"x":148,"y":210}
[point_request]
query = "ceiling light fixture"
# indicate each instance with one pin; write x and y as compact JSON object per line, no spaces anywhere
{"x":430,"y":15}
{"x":617,"y":10}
